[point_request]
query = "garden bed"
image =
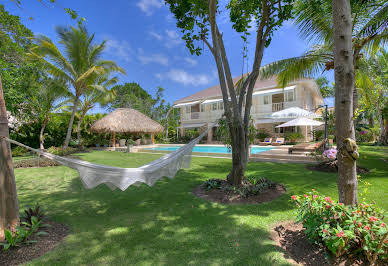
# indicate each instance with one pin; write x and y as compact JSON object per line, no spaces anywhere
{"x":290,"y":237}
{"x":224,"y":194}
{"x":43,"y":162}
{"x":26,"y":252}
{"x":330,"y":168}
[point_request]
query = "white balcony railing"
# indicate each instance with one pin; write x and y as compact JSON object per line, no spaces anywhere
{"x":277,"y":106}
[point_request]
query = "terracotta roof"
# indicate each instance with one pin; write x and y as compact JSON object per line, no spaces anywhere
{"x":215,"y":91}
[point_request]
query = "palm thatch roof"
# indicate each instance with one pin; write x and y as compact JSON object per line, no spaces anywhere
{"x":126,"y":120}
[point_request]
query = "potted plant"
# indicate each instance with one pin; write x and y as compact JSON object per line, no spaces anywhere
{"x":130,"y":143}
{"x":331,"y":139}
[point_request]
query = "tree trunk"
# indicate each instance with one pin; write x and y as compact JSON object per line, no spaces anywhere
{"x":383,"y":133}
{"x":70,"y":127}
{"x":239,"y":157}
{"x":9,"y":207}
{"x":41,"y":135}
{"x":344,"y":89}
{"x":79,"y":127}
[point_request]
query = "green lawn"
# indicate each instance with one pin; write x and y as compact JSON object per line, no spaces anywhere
{"x":166,"y":224}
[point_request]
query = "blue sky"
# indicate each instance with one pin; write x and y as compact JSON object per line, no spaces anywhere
{"x":144,"y":40}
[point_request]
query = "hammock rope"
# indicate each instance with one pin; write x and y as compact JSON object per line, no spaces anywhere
{"x":92,"y":174}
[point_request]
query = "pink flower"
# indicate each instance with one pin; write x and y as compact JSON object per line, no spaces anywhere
{"x":293,"y":197}
{"x":373,"y":219}
{"x":305,"y":196}
{"x":366,"y":227}
{"x":340,"y":234}
{"x":327,"y":206}
{"x":327,"y":199}
{"x":325,"y":231}
{"x":340,"y":204}
{"x":315,"y":196}
{"x":382,"y":224}
{"x":359,"y":224}
{"x":354,"y":222}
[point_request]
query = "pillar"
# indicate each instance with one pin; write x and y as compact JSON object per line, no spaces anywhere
{"x":210,"y":135}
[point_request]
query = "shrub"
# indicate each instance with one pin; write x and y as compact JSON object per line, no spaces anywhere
{"x":262,"y":134}
{"x":60,"y":151}
{"x":19,"y":151}
{"x":212,"y":183}
{"x":294,"y":136}
{"x":35,"y":211}
{"x":319,"y":134}
{"x":344,"y":230}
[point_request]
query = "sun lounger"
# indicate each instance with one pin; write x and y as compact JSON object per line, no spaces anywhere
{"x":267,"y":141}
{"x":305,"y":147}
{"x":278,"y":142}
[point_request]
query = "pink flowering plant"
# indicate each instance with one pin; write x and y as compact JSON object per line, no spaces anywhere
{"x":344,"y":230}
{"x":330,"y":154}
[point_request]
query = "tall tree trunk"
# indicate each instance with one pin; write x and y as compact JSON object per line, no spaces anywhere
{"x":239,"y":156}
{"x":383,"y":132}
{"x":9,"y":207}
{"x":79,"y":127}
{"x":70,"y":127}
{"x":41,"y":134}
{"x":344,"y":89}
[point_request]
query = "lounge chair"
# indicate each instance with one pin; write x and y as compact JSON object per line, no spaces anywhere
{"x":306,"y":147}
{"x":278,"y":142}
{"x":267,"y":141}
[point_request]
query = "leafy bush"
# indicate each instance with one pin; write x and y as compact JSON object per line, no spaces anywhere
{"x":294,"y":136}
{"x":319,"y":134}
{"x":66,"y":151}
{"x":43,"y":162}
{"x":212,"y":183}
{"x":19,"y":151}
{"x":365,"y":135}
{"x":262,"y":134}
{"x":130,"y":142}
{"x":344,"y":230}
{"x":29,"y":213}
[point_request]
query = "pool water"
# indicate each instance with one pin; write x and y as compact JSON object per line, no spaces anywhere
{"x":208,"y":149}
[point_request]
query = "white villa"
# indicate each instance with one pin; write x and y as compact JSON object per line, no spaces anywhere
{"x":205,"y":107}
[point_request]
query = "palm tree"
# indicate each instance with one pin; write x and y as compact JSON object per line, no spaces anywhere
{"x":98,"y":93}
{"x":80,"y":60}
{"x":51,"y":97}
{"x":372,"y":79}
{"x":314,"y":20}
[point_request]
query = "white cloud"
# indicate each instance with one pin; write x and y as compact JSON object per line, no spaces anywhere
{"x":173,"y":38}
{"x":152,"y":58}
{"x":120,"y":49}
{"x":253,"y":25}
{"x":148,"y":6}
{"x":156,"y":35}
{"x":185,"y":78}
{"x":190,"y":61}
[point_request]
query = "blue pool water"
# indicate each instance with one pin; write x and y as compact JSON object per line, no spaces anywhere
{"x":208,"y":149}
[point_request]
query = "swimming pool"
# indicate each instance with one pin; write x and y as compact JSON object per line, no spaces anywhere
{"x":208,"y":149}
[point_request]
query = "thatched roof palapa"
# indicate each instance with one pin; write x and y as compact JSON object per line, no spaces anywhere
{"x":126,"y":120}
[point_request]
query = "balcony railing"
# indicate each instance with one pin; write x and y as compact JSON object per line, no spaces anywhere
{"x":277,"y":106}
{"x":195,"y":115}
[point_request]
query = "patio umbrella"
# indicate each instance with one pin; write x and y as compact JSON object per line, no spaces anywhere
{"x":301,"y":121}
{"x":294,"y":112}
{"x":126,"y":120}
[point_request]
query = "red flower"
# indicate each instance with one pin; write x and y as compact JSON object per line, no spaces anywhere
{"x":327,"y":206}
{"x":366,"y":227}
{"x":359,"y":224}
{"x":327,"y":198}
{"x":373,"y":219}
{"x":315,"y":196}
{"x":354,"y":222}
{"x":383,"y":225}
{"x":305,"y":196}
{"x":340,"y":204}
{"x":325,"y":231}
{"x":340,"y":234}
{"x":293,"y":197}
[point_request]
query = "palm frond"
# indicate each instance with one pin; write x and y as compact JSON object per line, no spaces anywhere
{"x":376,"y":24}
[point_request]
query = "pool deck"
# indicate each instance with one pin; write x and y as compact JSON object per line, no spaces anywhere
{"x":277,"y":154}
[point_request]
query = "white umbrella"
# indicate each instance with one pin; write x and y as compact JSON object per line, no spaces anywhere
{"x":293,"y":112}
{"x":301,"y":121}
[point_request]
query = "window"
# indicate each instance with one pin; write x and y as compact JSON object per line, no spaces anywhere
{"x":289,"y":96}
{"x":202,"y":108}
{"x":188,"y":109}
{"x":221,"y":106}
{"x":278,"y":129}
{"x":266,"y":99}
{"x":214,"y":106}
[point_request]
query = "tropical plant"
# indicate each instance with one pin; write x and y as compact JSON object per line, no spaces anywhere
{"x":99,"y":92}
{"x":372,"y":79}
{"x":78,"y":64}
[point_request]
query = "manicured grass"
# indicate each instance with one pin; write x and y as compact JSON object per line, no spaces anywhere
{"x":166,"y":224}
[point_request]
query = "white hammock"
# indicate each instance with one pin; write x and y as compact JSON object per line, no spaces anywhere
{"x":93,"y":175}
